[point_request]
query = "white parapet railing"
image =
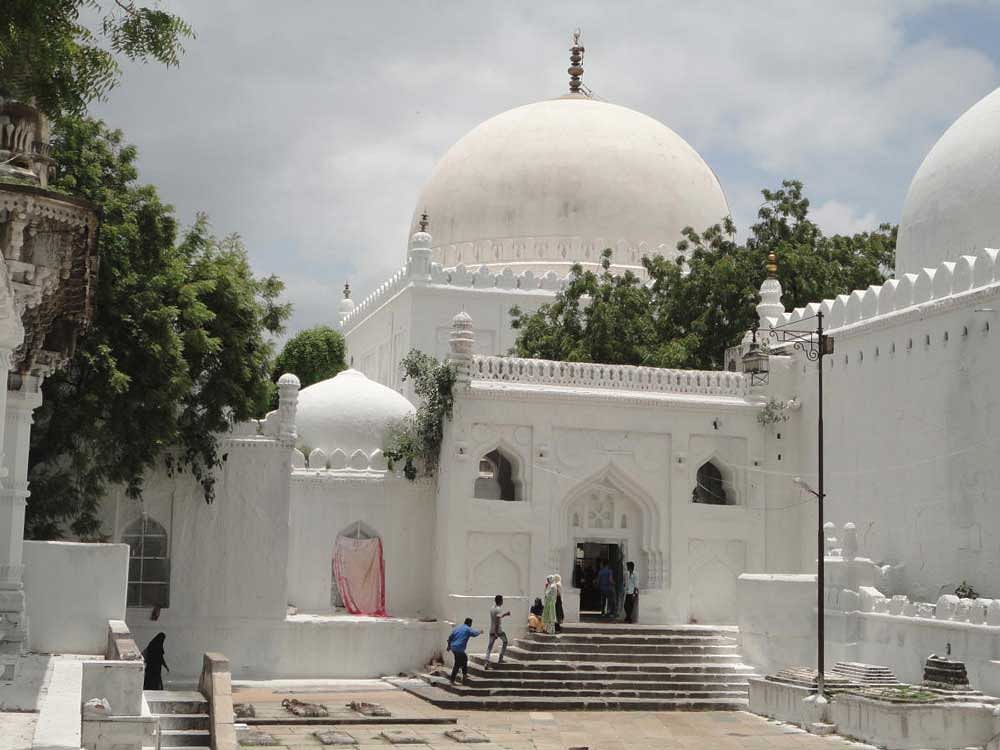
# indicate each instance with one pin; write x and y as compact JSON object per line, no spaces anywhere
{"x":617,"y":377}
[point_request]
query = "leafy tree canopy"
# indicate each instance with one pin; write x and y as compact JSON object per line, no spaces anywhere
{"x":313,"y":355}
{"x":48,"y":55}
{"x":690,"y":310}
{"x":178,"y":346}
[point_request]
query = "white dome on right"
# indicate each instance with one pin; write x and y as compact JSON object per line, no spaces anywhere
{"x":953,"y":205}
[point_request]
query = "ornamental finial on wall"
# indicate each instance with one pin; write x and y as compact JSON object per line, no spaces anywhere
{"x":575,"y":69}
{"x":772,"y":265}
{"x":424,"y":221}
{"x":347,"y":290}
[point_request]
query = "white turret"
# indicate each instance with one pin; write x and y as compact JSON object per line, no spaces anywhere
{"x":419,"y":256}
{"x":770,"y":307}
{"x":346,"y":306}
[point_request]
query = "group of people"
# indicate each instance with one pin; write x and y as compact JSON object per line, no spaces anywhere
{"x":546,"y":616}
{"x":609,"y":594}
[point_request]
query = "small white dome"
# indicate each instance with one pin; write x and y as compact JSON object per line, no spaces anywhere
{"x":549,"y":184}
{"x":348,"y":412}
{"x":952,"y":208}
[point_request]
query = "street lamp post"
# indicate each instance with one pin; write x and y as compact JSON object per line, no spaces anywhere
{"x":815,"y":345}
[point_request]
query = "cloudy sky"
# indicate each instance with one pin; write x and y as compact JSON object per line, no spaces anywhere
{"x":309,"y":126}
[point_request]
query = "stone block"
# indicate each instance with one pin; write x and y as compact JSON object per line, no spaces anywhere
{"x":869,"y":596}
{"x":466,"y":736}
{"x":962,"y":610}
{"x":336,"y":737}
{"x":402,"y":737}
{"x":946,"y":606}
{"x":993,"y":613}
{"x":897,"y":603}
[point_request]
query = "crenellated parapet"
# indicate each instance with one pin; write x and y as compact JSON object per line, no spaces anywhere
{"x":501,"y":251}
{"x":950,"y":284}
{"x":506,"y":279}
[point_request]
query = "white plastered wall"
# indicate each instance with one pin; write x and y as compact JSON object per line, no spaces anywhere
{"x":324,"y":504}
{"x":642,"y":448}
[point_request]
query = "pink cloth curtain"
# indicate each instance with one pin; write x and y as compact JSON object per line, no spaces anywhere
{"x":359,"y":571}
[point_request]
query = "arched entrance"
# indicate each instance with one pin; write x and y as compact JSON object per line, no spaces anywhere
{"x":605,"y":528}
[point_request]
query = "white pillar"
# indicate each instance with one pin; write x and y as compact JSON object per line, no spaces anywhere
{"x":16,"y":410}
{"x":461,"y":343}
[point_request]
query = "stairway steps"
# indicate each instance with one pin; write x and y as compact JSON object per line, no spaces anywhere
{"x":622,"y":657}
{"x":593,"y":667}
{"x":172,"y":738}
{"x":184,"y":721}
{"x":630,"y":685}
{"x":637,"y":640}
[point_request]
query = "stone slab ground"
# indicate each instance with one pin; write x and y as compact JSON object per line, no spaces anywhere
{"x":531,"y":730}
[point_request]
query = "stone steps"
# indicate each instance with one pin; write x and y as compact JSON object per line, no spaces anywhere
{"x":623,"y":656}
{"x":183,"y":718}
{"x":592,"y":667}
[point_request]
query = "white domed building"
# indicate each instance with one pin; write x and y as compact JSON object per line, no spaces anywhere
{"x":513,"y":205}
{"x":953,"y":205}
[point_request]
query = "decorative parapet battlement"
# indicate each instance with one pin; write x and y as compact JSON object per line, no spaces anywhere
{"x":616,"y":377}
{"x":948,"y":281}
{"x":460,"y":276}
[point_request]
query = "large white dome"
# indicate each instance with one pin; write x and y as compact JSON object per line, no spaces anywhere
{"x":953,"y":206}
{"x":548,"y":184}
{"x":348,"y":412}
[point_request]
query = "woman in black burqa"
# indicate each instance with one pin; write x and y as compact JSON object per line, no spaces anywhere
{"x":153,"y":654}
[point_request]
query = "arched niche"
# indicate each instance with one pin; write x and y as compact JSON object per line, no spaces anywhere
{"x":499,"y":476}
{"x":713,"y":485}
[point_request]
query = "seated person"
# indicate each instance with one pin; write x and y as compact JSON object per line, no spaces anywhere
{"x":535,"y":617}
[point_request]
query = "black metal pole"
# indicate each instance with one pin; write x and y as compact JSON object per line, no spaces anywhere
{"x":820,"y":536}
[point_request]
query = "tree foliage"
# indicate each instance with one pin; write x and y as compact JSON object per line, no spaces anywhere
{"x":416,"y":440}
{"x":48,"y":55}
{"x":178,"y":346}
{"x":313,"y":355}
{"x":690,"y":310}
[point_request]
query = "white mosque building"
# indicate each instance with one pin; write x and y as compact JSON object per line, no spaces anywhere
{"x":547,"y":466}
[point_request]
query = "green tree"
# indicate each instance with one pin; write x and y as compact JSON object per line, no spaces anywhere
{"x":49,"y":56}
{"x":178,"y":347}
{"x":313,"y":355}
{"x":692,"y":309}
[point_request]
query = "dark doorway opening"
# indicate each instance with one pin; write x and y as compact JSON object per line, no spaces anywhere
{"x":588,"y":562}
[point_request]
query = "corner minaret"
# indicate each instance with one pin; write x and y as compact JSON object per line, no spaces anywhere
{"x":575,"y":68}
{"x":346,"y":306}
{"x":770,"y":307}
{"x":419,"y":256}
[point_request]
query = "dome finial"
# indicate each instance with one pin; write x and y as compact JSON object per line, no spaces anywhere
{"x":772,"y":265}
{"x":347,"y":290}
{"x":575,"y":69}
{"x":424,"y":221}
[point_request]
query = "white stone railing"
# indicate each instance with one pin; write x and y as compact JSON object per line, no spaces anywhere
{"x":617,"y":377}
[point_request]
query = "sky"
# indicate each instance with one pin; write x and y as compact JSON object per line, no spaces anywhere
{"x":310,"y":126}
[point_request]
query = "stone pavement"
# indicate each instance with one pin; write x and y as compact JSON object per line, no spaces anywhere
{"x":523,"y":730}
{"x":17,"y":730}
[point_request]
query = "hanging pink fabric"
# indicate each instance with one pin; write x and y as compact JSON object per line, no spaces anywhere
{"x":359,"y":571}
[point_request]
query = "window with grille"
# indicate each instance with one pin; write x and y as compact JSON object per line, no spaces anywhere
{"x":148,"y":563}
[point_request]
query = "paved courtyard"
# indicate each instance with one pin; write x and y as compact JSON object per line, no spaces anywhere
{"x":529,"y":730}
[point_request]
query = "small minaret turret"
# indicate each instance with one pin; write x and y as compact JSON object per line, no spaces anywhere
{"x":346,"y":306}
{"x":288,"y":399}
{"x":419,"y":255}
{"x":770,"y":307}
{"x":461,"y":343}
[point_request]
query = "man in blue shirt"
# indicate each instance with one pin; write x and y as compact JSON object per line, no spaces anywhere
{"x":456,"y":644}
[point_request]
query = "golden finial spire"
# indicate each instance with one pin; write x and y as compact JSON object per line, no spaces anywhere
{"x":772,"y":265}
{"x":575,"y":69}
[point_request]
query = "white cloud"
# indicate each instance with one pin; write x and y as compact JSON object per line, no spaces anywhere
{"x":834,"y":217}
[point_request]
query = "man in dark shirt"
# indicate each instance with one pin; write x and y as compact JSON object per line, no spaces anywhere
{"x":457,"y":642}
{"x":606,"y":585}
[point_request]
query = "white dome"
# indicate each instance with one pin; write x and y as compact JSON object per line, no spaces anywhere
{"x":953,"y":206}
{"x":548,"y":184}
{"x":347,"y":412}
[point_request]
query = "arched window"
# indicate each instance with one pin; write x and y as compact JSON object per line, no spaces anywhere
{"x":498,"y":478}
{"x":710,"y":488}
{"x":148,"y":563}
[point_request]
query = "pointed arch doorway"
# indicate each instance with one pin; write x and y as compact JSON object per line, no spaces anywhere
{"x":605,"y":527}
